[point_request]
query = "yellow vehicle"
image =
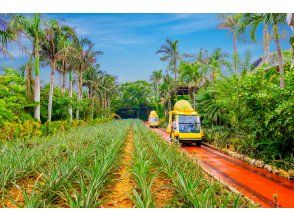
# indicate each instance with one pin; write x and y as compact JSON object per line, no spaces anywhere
{"x":184,"y":124}
{"x":153,"y":119}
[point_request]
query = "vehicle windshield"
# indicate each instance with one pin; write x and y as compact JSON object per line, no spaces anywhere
{"x":153,"y":119}
{"x":189,"y":124}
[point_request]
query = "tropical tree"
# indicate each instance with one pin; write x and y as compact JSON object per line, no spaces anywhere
{"x":167,"y":90}
{"x":252,"y":22}
{"x":156,"y":78}
{"x":87,"y":57}
{"x":274,"y":19}
{"x":230,"y":22}
{"x":170,"y":53}
{"x":27,"y":72}
{"x":51,"y":47}
{"x":191,"y":75}
{"x":216,"y":61}
{"x":7,"y":34}
{"x":32,"y":28}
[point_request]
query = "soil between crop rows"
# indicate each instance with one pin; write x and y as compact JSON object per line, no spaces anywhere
{"x":119,"y":196}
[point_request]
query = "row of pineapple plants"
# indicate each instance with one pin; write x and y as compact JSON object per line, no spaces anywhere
{"x":68,"y":169}
{"x":191,"y":186}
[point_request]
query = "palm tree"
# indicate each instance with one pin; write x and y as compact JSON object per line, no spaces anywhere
{"x":7,"y":34}
{"x":274,"y":19}
{"x":27,"y":72}
{"x":31,"y":28}
{"x":216,"y":61}
{"x":171,"y":54}
{"x":87,"y":57}
{"x":230,"y":22}
{"x":249,"y":20}
{"x":167,"y":89}
{"x":54,"y":36}
{"x":191,"y":75}
{"x":156,"y":78}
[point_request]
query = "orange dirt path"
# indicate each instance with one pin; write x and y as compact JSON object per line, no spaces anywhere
{"x":257,"y":184}
{"x":119,"y":196}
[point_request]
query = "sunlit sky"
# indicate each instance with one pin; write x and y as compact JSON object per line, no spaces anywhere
{"x":129,"y":41}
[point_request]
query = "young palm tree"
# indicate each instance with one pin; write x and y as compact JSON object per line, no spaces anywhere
{"x":31,"y":28}
{"x":156,"y":78}
{"x":53,"y":39}
{"x":170,"y":53}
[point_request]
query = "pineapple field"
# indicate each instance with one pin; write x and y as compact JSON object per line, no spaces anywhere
{"x":120,"y":163}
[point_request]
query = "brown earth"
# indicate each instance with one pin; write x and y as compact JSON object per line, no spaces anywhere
{"x":121,"y":191}
{"x":16,"y":194}
{"x":163,"y":193}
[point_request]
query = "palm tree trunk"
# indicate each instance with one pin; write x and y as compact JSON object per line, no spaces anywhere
{"x":63,"y":83}
{"x":266,"y":43}
{"x":50,"y":99}
{"x":37,"y":83}
{"x":63,"y":77}
{"x":92,"y":115}
{"x":28,"y":71}
{"x":169,"y":104}
{"x":280,"y":56}
{"x":235,"y":43}
{"x":80,"y":84}
{"x":70,"y":95}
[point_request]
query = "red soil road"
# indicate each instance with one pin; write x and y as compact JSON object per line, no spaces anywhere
{"x":255,"y":183}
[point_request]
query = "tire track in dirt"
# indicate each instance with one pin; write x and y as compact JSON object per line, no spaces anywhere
{"x":119,"y":193}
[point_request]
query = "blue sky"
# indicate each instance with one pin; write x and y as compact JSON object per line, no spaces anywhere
{"x":129,"y":41}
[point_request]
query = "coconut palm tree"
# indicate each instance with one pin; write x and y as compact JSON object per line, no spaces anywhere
{"x":32,"y":28}
{"x":27,"y":72}
{"x":7,"y":34}
{"x":156,"y":78}
{"x":230,"y":22}
{"x":252,"y":22}
{"x":51,"y":47}
{"x":216,"y":61}
{"x":191,"y":75}
{"x":87,"y":57}
{"x":170,"y":53}
{"x":167,"y":90}
{"x":274,"y":20}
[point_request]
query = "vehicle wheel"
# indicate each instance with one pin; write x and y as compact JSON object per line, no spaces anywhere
{"x":198,"y":143}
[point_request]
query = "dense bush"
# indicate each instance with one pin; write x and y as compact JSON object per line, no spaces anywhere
{"x":14,"y":105}
{"x":252,"y":114}
{"x":28,"y":129}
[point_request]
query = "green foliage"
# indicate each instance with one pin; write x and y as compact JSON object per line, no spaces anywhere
{"x":187,"y":178}
{"x":134,"y":97}
{"x":14,"y":105}
{"x":252,"y":113}
{"x":69,"y":169}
